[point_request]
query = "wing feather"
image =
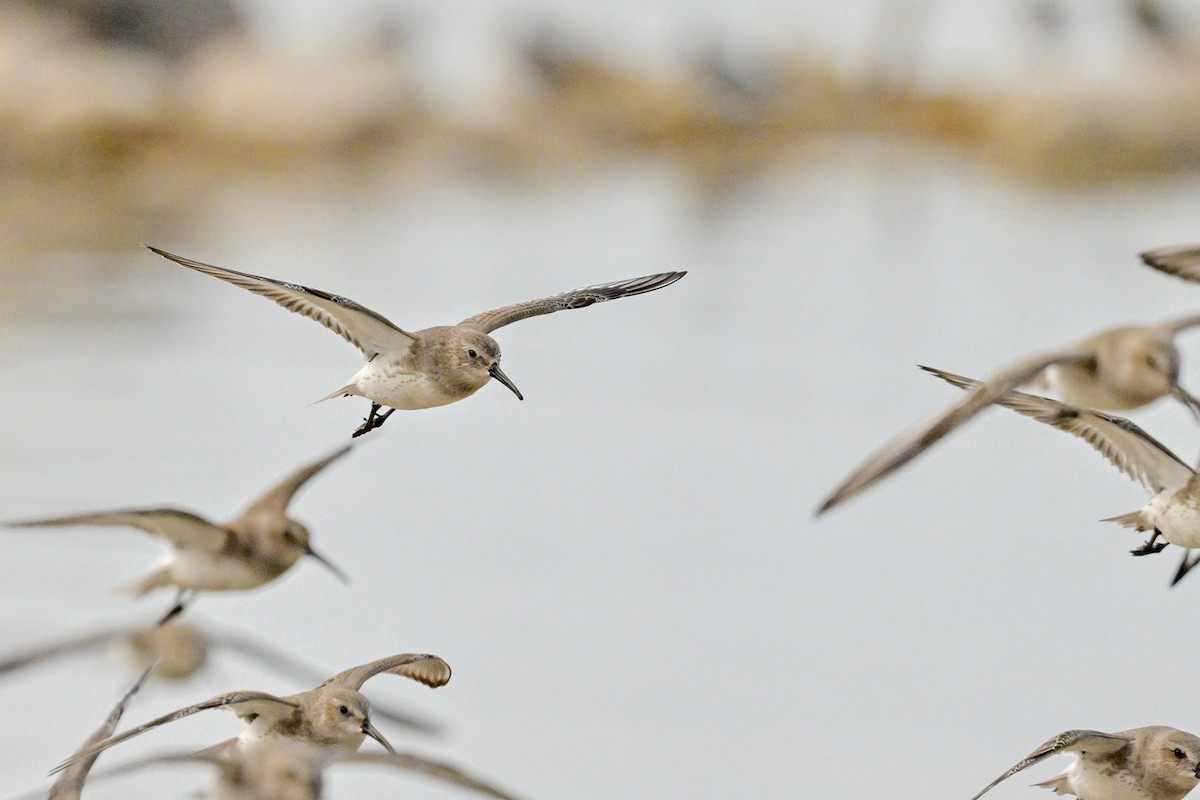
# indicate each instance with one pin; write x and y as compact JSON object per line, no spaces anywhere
{"x":1064,"y":742}
{"x":1125,"y":445}
{"x":907,"y":446}
{"x":421,"y":667}
{"x":271,"y":508}
{"x":370,"y":332}
{"x":489,"y":321}
{"x":182,"y":528}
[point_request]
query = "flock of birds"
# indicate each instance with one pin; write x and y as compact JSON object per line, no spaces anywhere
{"x":288,"y":742}
{"x":1116,"y":369}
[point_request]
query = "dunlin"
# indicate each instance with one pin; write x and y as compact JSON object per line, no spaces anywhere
{"x":1121,"y":368}
{"x":335,"y":715}
{"x":254,"y":549}
{"x":1152,"y":763}
{"x":1174,"y":508}
{"x":425,"y":368}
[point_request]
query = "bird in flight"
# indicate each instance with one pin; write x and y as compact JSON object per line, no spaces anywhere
{"x":426,"y":368}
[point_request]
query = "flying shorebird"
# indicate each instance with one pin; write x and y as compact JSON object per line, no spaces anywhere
{"x":334,"y":716}
{"x":178,"y":651}
{"x":1116,"y":369}
{"x":1151,"y":763}
{"x":1174,"y":508}
{"x":254,"y":549}
{"x":425,"y":368}
{"x":284,"y":770}
{"x":70,"y":783}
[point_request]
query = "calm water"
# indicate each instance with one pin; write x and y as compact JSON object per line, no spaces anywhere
{"x":623,"y":569}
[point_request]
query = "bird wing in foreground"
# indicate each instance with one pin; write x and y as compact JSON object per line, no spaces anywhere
{"x":370,"y":332}
{"x":271,"y":508}
{"x":489,"y":321}
{"x":909,"y":445}
{"x":421,"y":667}
{"x":1128,"y":447}
{"x":244,"y":704}
{"x":70,"y":782}
{"x":1068,"y":741}
{"x":183,"y":529}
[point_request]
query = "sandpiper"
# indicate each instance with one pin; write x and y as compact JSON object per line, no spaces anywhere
{"x":425,"y":368}
{"x":334,"y":716}
{"x":1121,"y":368}
{"x":254,"y":549}
{"x":1152,"y":763}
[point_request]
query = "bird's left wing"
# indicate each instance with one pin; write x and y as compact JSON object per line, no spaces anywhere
{"x":421,"y":667}
{"x":1093,"y":741}
{"x":271,"y":508}
{"x":489,"y":321}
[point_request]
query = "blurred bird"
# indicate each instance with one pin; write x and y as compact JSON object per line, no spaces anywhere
{"x":335,"y":715}
{"x":254,"y":549}
{"x":1182,"y":261}
{"x":178,"y":651}
{"x":1152,"y":763}
{"x":278,"y":769}
{"x":1120,"y":368}
{"x":1174,"y":508}
{"x":70,"y":783}
{"x":426,"y":368}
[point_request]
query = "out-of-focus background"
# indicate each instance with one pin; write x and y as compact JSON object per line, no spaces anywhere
{"x":623,"y":570}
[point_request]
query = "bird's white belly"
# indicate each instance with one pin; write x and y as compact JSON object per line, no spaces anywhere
{"x":1090,"y":783}
{"x":212,"y":572}
{"x":1176,"y":517}
{"x":389,"y":385}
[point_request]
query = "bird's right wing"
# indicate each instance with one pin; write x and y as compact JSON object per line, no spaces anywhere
{"x":433,"y":769}
{"x":183,"y":529}
{"x":1130,"y":449}
{"x":370,"y":332}
{"x":1092,"y":741}
{"x":912,"y":443}
{"x":241,"y":703}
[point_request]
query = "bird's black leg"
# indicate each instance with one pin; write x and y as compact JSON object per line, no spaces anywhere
{"x":1150,"y":547}
{"x":182,"y":598}
{"x":372,"y":421}
{"x":1185,"y":566}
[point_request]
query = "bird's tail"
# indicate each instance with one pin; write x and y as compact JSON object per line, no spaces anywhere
{"x":1059,"y":785}
{"x":346,"y":391}
{"x":155,"y":580}
{"x":1135,"y":520}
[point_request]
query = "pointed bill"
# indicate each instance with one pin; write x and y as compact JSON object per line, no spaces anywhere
{"x":329,"y":565}
{"x":496,"y":373}
{"x":373,"y":732}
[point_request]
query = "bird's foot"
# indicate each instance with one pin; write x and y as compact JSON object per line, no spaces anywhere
{"x":372,"y":421}
{"x":1149,"y":548}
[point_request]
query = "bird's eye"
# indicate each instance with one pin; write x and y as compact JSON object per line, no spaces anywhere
{"x":346,"y":712}
{"x":1178,"y":753}
{"x":472,"y":354}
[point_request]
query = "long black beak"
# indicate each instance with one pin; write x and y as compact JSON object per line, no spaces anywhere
{"x":329,"y":565}
{"x":495,"y":372}
{"x":373,"y":732}
{"x":1197,"y":771}
{"x":1183,"y":396}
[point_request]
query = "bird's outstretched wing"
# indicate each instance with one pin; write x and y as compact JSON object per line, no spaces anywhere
{"x":271,"y":508}
{"x":489,"y":321}
{"x":73,"y":645}
{"x":1129,"y":448}
{"x":183,"y":529}
{"x":1181,"y":261}
{"x":912,"y":443}
{"x":421,"y":667}
{"x":370,"y":332}
{"x":1093,"y":741}
{"x":244,"y":704}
